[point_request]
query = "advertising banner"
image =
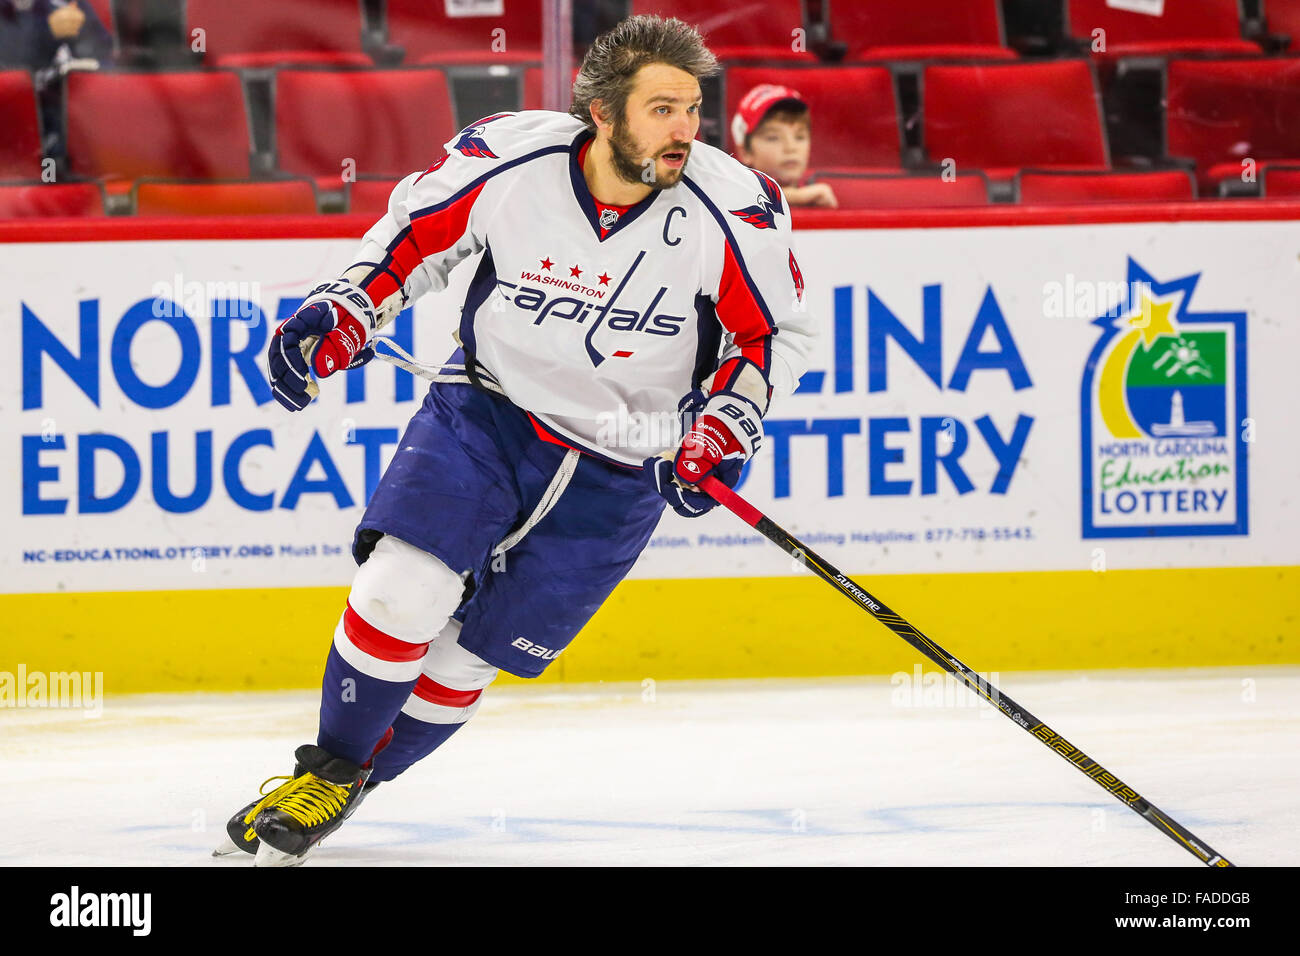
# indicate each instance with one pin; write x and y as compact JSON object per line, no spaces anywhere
{"x":989,"y":399}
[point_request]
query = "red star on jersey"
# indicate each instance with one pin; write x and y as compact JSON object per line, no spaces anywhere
{"x":575,"y":271}
{"x":547,"y":263}
{"x":604,"y":279}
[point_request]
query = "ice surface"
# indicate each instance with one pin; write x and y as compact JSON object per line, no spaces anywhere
{"x":829,"y":771}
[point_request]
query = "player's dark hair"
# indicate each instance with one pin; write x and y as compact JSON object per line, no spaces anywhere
{"x":615,"y":57}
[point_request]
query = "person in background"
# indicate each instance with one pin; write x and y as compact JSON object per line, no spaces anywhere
{"x":33,"y":32}
{"x":773,"y":134}
{"x":48,"y":37}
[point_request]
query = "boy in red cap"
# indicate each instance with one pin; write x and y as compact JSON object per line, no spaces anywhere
{"x":773,"y":134}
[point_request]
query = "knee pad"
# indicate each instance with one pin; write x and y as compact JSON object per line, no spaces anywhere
{"x":404,"y":592}
{"x":451,"y":681}
{"x":452,"y":666}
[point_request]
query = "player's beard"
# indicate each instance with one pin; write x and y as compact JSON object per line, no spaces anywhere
{"x":629,"y":160}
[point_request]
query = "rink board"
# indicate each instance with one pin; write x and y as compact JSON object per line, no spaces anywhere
{"x":986,"y":437}
{"x":756,"y":627}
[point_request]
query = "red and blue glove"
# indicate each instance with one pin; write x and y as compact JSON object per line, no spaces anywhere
{"x":327,"y":334}
{"x":726,"y":433}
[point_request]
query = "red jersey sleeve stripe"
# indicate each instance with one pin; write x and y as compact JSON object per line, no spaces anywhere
{"x":403,"y":257}
{"x":431,"y":231}
{"x":726,"y":374}
{"x":371,"y":640}
{"x":742,"y":314}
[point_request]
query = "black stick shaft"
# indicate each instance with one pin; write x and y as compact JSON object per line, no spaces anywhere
{"x":1020,"y":715}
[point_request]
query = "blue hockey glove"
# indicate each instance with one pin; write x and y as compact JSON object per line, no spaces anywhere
{"x":686,"y":501}
{"x":328,"y":335}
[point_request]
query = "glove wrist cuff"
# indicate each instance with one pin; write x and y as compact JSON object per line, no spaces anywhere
{"x":352,"y":299}
{"x":740,"y":416}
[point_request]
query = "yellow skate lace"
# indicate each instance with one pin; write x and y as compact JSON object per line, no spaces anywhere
{"x":313,"y":800}
{"x":267,"y":799}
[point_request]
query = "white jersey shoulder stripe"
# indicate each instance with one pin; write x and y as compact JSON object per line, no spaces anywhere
{"x":475,"y":183}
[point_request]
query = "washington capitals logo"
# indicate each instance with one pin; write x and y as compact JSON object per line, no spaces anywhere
{"x":471,"y":141}
{"x":763,"y":214}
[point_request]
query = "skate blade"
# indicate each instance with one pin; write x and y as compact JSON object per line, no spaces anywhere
{"x":228,"y":848}
{"x":268,"y":855}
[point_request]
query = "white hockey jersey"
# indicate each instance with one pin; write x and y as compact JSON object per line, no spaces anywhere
{"x":584,"y":317}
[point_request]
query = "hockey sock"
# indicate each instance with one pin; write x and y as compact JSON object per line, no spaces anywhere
{"x":412,"y":740}
{"x":429,"y":717}
{"x":368,"y":676}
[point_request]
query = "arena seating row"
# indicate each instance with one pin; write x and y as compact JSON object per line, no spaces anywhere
{"x":149,"y":197}
{"x":332,"y":32}
{"x":1000,"y":118}
{"x":370,"y":196}
{"x":994,"y":118}
{"x":325,"y":32}
{"x":969,"y":29}
{"x":339,"y":32}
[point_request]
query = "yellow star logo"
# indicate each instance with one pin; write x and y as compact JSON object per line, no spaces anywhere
{"x":1151,"y":319}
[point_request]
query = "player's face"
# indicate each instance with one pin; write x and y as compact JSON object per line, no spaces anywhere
{"x":662,"y":117}
{"x":779,"y":148}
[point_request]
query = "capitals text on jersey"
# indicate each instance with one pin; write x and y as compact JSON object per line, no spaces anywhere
{"x":693,"y":286}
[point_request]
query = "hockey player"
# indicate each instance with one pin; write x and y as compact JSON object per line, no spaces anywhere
{"x":626,"y":272}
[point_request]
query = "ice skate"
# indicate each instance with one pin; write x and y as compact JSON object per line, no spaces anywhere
{"x":240,"y":835}
{"x":291,"y":820}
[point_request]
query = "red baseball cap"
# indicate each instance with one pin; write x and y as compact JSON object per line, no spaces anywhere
{"x":757,"y":103}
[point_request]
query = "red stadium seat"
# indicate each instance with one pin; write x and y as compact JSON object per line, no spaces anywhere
{"x":326,"y":32}
{"x":20,"y":146}
{"x":370,"y":196}
{"x":1282,"y":182}
{"x":1220,"y":112}
{"x":1002,"y":118}
{"x":1034,"y":186}
{"x":946,"y":30}
{"x":854,"y":116}
{"x":431,"y":35}
{"x":42,"y":200}
{"x":277,"y":198}
{"x":385,"y":122}
{"x":908,"y":192}
{"x":742,"y":29}
{"x":1186,"y":26}
{"x":1283,"y":17}
{"x":125,"y":126}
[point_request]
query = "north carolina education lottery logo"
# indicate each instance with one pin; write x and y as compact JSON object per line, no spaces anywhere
{"x":1163,"y":416}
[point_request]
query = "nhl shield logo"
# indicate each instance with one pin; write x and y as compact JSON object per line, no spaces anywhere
{"x":608,"y":217}
{"x":1163,"y":411}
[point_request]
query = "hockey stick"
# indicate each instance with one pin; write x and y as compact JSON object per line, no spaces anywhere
{"x":859,"y":595}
